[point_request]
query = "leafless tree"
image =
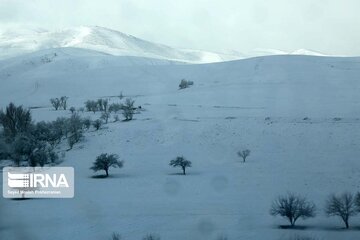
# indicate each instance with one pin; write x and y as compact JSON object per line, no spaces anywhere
{"x":105,"y":116}
{"x":342,"y":205}
{"x":128,"y":109}
{"x":244,"y":154}
{"x":63,"y":102}
{"x":55,"y":102}
{"x":293,"y":207}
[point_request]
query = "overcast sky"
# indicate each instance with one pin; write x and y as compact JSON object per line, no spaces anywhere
{"x":328,"y":26}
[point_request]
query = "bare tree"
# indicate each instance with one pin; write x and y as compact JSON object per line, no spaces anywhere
{"x":105,"y":116}
{"x":55,"y":102}
{"x":244,"y":154}
{"x":63,"y":102}
{"x":15,"y":120}
{"x":91,"y":106}
{"x":185,"y":84}
{"x":342,"y":206}
{"x":128,"y":109}
{"x":293,"y":207}
{"x":180,"y":162}
{"x":105,"y":161}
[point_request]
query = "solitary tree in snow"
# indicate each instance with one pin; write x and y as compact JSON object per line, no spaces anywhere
{"x":105,"y":161}
{"x":342,"y":206}
{"x":180,"y":162}
{"x":293,"y":207}
{"x":244,"y":154}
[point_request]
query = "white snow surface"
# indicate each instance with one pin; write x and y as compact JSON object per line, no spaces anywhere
{"x":223,"y":112}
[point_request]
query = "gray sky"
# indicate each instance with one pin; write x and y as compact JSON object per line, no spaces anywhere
{"x":329,"y":26}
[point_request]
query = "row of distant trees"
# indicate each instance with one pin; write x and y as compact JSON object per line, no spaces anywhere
{"x":293,"y":206}
{"x":127,"y":108}
{"x":100,"y":105}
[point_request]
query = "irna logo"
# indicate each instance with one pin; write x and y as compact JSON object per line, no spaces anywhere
{"x":47,"y":182}
{"x":34,"y":180}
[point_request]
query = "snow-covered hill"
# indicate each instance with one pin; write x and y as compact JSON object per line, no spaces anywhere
{"x":18,"y":41}
{"x":299,"y":115}
{"x":14,"y":42}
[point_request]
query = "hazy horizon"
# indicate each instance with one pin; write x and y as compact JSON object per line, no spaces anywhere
{"x":327,"y":27}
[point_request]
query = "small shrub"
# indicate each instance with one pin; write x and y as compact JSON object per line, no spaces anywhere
{"x":183,"y":84}
{"x":87,"y":123}
{"x":97,"y":124}
{"x":72,"y":110}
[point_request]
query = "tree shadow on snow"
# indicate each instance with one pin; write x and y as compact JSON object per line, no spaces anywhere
{"x":115,"y":175}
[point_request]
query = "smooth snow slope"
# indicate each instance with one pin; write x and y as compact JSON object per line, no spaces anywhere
{"x":208,"y":123}
{"x":19,"y":41}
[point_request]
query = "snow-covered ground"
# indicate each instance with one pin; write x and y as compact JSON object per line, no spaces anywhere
{"x":257,"y":103}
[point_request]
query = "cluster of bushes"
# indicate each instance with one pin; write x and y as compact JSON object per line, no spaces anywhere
{"x":59,"y":103}
{"x":103,"y":106}
{"x":26,"y":142}
{"x":185,"y":84}
{"x":292,"y":207}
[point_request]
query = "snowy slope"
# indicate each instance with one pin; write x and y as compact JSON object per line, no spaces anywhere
{"x":18,"y":41}
{"x":14,"y":42}
{"x":223,"y":112}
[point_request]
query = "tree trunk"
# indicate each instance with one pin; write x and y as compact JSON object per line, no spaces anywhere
{"x":183,"y":168}
{"x":346,"y":223}
{"x":107,"y":172}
